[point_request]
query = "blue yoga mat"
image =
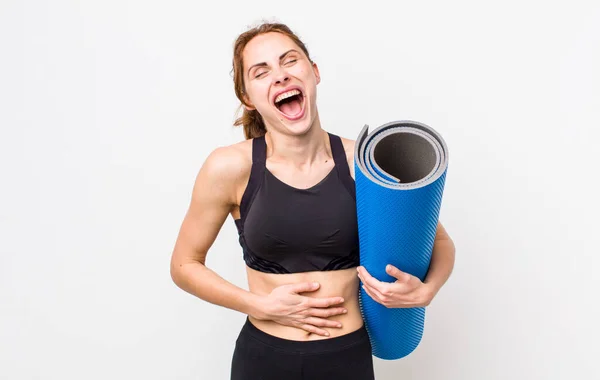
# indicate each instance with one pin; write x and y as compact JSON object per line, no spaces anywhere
{"x":400,"y":171}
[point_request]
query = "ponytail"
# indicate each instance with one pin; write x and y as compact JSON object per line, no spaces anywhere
{"x":253,"y":123}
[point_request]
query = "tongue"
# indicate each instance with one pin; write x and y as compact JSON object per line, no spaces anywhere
{"x":291,"y":108}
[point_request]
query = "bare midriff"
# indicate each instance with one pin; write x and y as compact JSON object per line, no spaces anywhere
{"x":339,"y":283}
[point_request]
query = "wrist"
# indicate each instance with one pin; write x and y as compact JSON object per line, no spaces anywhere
{"x":429,"y":291}
{"x":256,"y":306}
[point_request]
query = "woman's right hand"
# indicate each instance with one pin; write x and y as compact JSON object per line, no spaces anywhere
{"x":285,"y":305}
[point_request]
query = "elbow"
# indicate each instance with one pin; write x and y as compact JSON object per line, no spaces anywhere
{"x":181,"y":270}
{"x":176,"y":270}
{"x":175,"y":273}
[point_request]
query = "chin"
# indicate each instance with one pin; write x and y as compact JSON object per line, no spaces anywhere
{"x":299,"y":130}
{"x":298,"y":127}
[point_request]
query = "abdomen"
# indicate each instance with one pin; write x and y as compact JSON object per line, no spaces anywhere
{"x":339,"y":283}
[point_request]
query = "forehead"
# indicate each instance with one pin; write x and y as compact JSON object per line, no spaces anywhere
{"x":267,"y":47}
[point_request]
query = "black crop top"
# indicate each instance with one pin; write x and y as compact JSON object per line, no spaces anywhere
{"x":283,"y":229}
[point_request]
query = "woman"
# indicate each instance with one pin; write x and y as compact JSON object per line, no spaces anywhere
{"x":289,"y":189}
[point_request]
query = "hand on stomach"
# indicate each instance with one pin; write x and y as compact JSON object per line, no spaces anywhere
{"x":293,"y":310}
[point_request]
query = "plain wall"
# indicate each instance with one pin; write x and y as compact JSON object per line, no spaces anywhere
{"x":108,"y":109}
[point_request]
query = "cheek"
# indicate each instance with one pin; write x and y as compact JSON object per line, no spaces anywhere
{"x":259,"y":93}
{"x":299,"y":71}
{"x":307,"y":75}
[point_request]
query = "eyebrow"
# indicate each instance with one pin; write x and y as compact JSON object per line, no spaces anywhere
{"x":282,"y":56}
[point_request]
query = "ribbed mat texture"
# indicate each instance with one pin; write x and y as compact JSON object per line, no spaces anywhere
{"x":400,"y":172}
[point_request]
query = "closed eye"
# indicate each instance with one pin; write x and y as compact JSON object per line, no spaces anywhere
{"x":262,"y":73}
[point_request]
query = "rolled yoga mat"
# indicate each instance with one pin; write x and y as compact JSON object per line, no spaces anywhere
{"x":400,"y":171}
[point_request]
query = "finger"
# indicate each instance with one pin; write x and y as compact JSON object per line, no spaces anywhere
{"x":407,"y":281}
{"x":373,"y":295}
{"x":326,"y":313}
{"x":320,"y":322}
{"x":403,"y":301}
{"x":304,"y":287}
{"x":381,"y":297}
{"x":323,"y":302}
{"x":397,"y":273}
{"x":313,"y":329}
{"x":372,"y":281}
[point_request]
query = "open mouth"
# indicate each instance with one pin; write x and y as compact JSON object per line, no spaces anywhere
{"x":290,"y":104}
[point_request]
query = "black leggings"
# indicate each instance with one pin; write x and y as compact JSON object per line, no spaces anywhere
{"x":261,"y":356}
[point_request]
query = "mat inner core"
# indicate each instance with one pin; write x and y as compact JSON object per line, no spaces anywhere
{"x":406,"y":156}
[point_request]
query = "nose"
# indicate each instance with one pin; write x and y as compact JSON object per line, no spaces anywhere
{"x":281,"y":77}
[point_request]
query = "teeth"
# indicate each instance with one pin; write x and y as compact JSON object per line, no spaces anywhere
{"x":287,"y":95}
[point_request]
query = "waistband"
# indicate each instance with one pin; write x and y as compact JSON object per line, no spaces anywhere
{"x":310,"y":346}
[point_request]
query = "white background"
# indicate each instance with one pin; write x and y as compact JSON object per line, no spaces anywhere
{"x":108,"y":109}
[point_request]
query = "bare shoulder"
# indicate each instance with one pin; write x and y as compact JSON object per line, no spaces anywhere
{"x":213,"y":198}
{"x":229,"y":160}
{"x":225,"y":169}
{"x":349,"y":149}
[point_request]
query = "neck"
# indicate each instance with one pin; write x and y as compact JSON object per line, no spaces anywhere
{"x":299,"y":150}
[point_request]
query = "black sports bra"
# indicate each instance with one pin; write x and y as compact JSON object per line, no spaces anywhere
{"x":283,"y":229}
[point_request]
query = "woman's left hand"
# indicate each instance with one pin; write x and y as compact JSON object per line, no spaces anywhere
{"x":406,"y":291}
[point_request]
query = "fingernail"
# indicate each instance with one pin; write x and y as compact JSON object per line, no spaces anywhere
{"x":326,"y":334}
{"x":344,"y":311}
{"x":339,"y":325}
{"x":341,"y":300}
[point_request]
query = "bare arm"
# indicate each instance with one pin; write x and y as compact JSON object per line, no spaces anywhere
{"x":442,"y":260}
{"x":213,"y":197}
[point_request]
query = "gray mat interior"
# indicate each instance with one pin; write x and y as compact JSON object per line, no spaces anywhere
{"x":406,"y":156}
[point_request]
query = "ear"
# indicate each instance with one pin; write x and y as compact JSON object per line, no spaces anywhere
{"x":247,"y":103}
{"x":316,"y":71}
